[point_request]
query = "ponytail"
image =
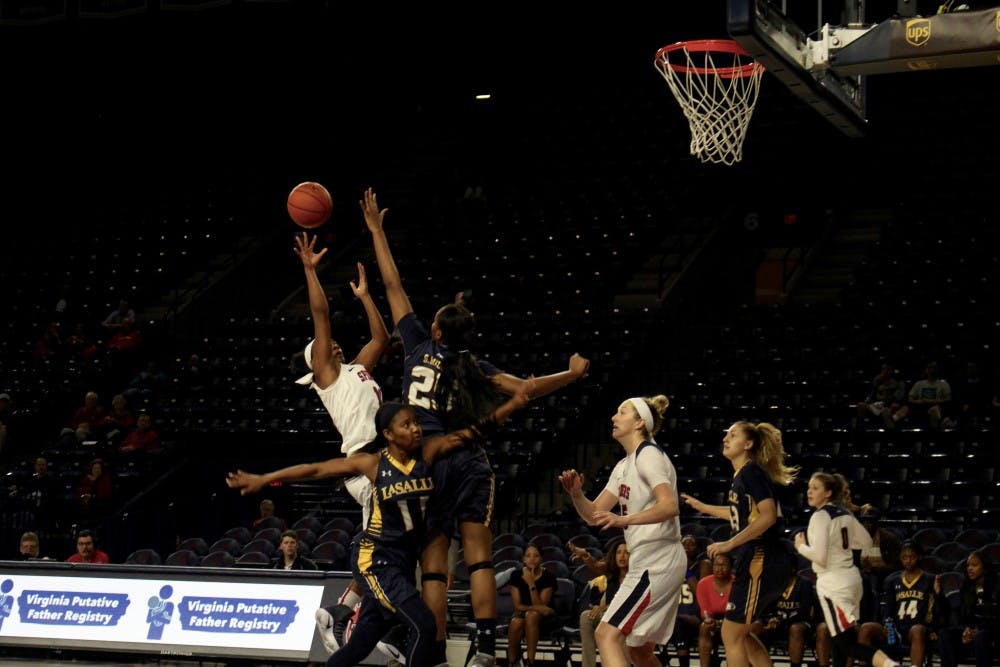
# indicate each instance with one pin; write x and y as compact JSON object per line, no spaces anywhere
{"x":768,"y":451}
{"x":465,"y":395}
{"x":658,"y":406}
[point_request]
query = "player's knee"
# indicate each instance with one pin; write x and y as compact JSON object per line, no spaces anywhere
{"x":797,"y":631}
{"x":606,"y":633}
{"x":917,"y":633}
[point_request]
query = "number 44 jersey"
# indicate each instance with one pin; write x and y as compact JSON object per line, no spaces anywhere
{"x":909,"y":600}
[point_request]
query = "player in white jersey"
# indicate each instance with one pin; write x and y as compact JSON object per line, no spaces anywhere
{"x":644,"y":486}
{"x":832,"y":535}
{"x":349,"y":393}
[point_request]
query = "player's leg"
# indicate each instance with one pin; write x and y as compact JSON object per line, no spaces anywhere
{"x":797,"y":634}
{"x":917,"y":636}
{"x":822,"y":649}
{"x":644,"y":656}
{"x":515,"y":633}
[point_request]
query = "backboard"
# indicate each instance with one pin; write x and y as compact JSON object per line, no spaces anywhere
{"x":826,"y":61}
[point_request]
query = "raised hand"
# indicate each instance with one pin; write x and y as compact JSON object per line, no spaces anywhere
{"x":305,"y":249}
{"x":361,"y":288}
{"x":373,"y":216}
{"x":571,"y":481}
{"x":246,"y":482}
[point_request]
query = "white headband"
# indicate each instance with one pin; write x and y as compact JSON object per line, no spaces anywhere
{"x":644,"y":413}
{"x":308,"y":377}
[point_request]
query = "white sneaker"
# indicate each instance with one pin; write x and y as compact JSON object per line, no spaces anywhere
{"x":482,"y":660}
{"x":390,"y":647}
{"x":324,"y":625}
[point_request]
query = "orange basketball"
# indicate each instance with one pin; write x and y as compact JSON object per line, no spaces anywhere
{"x":309,"y":204}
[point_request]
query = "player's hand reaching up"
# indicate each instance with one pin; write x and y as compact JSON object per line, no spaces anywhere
{"x":373,"y":216}
{"x":572,"y":482}
{"x":246,"y":482}
{"x":360,"y":288}
{"x":305,"y":249}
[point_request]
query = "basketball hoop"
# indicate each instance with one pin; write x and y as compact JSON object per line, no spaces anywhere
{"x":716,"y":83}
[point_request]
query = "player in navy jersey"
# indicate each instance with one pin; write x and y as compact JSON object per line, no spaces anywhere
{"x":384,"y":558}
{"x":760,"y":560}
{"x":832,"y":537}
{"x":441,"y":378}
{"x":908,"y":599}
{"x":795,"y":618}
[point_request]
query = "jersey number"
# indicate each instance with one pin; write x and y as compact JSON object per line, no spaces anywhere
{"x":845,"y":539}
{"x":907,"y":609}
{"x":423,"y":385}
{"x":412,"y":511}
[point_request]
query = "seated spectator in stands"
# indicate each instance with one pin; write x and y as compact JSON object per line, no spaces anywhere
{"x":531,"y":592}
{"x":795,"y":618}
{"x":193,"y":374}
{"x":971,"y":395}
{"x":909,"y":602}
{"x":886,"y":397}
{"x":50,"y":345}
{"x":41,"y":492}
{"x":978,"y":630}
{"x":119,"y":316}
{"x":91,"y":412}
{"x":94,"y":491}
{"x":87,"y":551}
{"x":713,"y":596}
{"x":142,"y":439}
{"x":120,"y":420}
{"x":699,"y":567}
{"x":267,"y":512}
{"x":289,"y":558}
{"x":928,"y":400}
{"x":79,"y":345}
{"x":126,"y":338}
{"x":30,"y":547}
{"x":602,"y":591}
{"x":147,"y":382}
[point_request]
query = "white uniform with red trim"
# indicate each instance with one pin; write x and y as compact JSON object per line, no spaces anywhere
{"x":645,"y":607}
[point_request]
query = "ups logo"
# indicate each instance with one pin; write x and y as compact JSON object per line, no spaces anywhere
{"x":918,"y":31}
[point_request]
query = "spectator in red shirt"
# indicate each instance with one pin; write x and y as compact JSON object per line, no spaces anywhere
{"x":94,"y":489}
{"x":91,"y":412}
{"x":143,"y":438}
{"x":713,"y":596}
{"x":86,"y":550}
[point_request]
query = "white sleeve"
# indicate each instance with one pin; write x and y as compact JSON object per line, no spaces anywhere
{"x":858,"y":536}
{"x":654,"y":467}
{"x":818,"y":536}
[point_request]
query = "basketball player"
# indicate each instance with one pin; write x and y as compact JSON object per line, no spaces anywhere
{"x":384,"y":559}
{"x":760,"y":560}
{"x":832,"y":535}
{"x":644,"y":487}
{"x":438,"y":362}
{"x":350,"y":395}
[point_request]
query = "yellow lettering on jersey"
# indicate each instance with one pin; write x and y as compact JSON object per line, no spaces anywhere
{"x":409,"y":486}
{"x":431,"y":360}
{"x":910,"y":595}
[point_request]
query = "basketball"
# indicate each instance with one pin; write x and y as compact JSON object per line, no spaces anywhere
{"x":309,"y":205}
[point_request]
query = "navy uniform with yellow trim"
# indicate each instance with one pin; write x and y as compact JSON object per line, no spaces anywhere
{"x":761,"y":565}
{"x":908,"y":602}
{"x":386,"y":553}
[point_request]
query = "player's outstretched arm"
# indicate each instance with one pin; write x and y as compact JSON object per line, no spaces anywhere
{"x":546,"y":384}
{"x":399,"y":302}
{"x":359,"y":464}
{"x":572,"y":483}
{"x":372,"y":351}
{"x":718,"y":511}
{"x":324,"y":370}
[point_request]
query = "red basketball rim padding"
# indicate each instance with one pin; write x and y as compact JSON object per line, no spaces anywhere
{"x":707,"y":45}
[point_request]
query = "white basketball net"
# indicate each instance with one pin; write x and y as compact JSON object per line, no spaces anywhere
{"x":717,"y":101}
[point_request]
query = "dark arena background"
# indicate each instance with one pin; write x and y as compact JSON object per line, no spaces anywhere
{"x":148,"y":149}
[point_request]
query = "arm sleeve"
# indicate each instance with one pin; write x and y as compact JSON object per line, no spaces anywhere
{"x":654,"y":467}
{"x":817,"y":537}
{"x":412,"y":332}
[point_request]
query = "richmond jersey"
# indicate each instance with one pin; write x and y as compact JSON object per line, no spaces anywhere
{"x":831,"y":538}
{"x":421,"y":370}
{"x":909,"y":601}
{"x":352,"y":401}
{"x":399,"y":498}
{"x":752,"y":486}
{"x":632,"y":482}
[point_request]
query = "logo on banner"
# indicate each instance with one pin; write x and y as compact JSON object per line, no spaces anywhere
{"x":160,"y":612}
{"x":6,"y":600}
{"x":237,"y":615}
{"x":71,"y":608}
{"x":918,"y":31}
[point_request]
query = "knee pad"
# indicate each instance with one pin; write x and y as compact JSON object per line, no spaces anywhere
{"x":482,"y":565}
{"x":433,"y":576}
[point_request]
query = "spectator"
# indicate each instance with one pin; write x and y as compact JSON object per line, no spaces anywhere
{"x":531,"y":592}
{"x":978,"y":615}
{"x":120,"y":420}
{"x":289,"y":558}
{"x":699,"y":567}
{"x":40,"y":493}
{"x":928,"y":399}
{"x":119,"y":316}
{"x":126,"y":338}
{"x":79,"y":345}
{"x":142,"y":439}
{"x":94,"y":490}
{"x":877,"y":561}
{"x":91,"y":412}
{"x":87,"y":551}
{"x":267,"y":512}
{"x":603,"y":589}
{"x":713,"y":597}
{"x":886,"y":397}
{"x":30,"y":547}
{"x":49,"y":345}
{"x":147,"y":382}
{"x":193,"y":374}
